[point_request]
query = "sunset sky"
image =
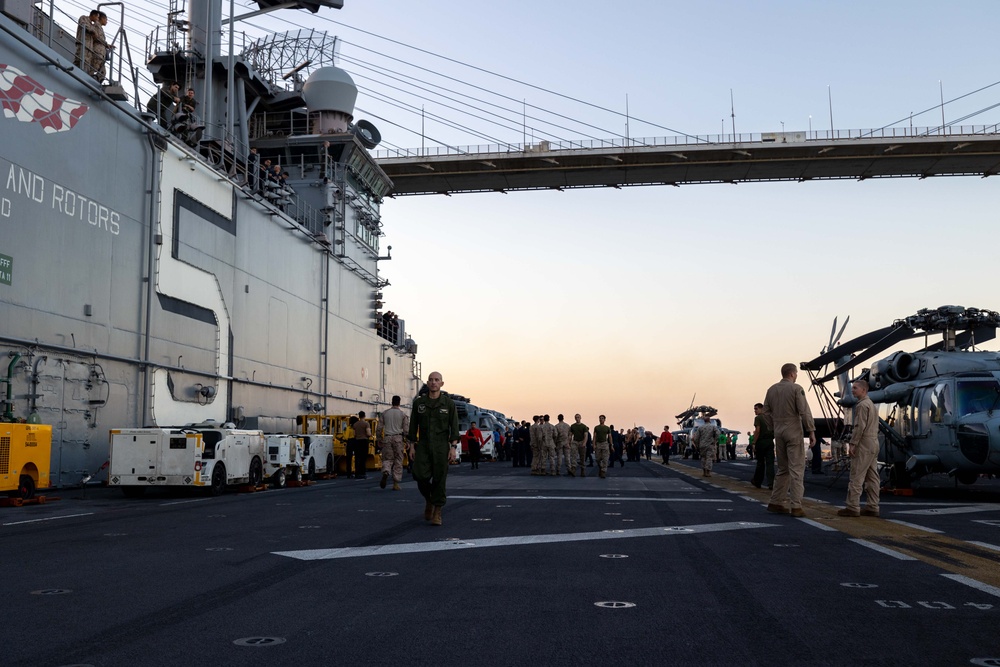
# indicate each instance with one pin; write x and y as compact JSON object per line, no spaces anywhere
{"x":629,"y":302}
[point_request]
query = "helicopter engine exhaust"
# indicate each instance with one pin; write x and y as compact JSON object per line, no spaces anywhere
{"x":902,"y":367}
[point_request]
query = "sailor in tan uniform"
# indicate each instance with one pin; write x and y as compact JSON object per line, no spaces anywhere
{"x":785,"y":404}
{"x":864,"y":454}
{"x":394,"y":424}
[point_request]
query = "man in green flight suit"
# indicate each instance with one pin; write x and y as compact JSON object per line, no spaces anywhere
{"x":434,"y":430}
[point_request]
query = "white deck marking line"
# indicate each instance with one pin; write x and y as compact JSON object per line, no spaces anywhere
{"x":883,"y":550}
{"x":817,"y":524}
{"x":929,"y":503}
{"x":753,"y":500}
{"x":605,"y":498}
{"x":50,"y":518}
{"x":424,"y":547}
{"x":913,"y":525}
{"x":978,"y":585}
{"x":986,"y":545}
{"x":181,"y":502}
{"x":966,"y":509}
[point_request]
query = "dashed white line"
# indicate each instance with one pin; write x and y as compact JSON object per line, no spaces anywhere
{"x":913,"y":525}
{"x":50,"y":518}
{"x":817,"y":524}
{"x":965,"y":509}
{"x":883,"y":550}
{"x":978,"y":585}
{"x":182,"y":502}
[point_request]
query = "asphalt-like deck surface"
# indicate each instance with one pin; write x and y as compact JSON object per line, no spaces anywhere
{"x":652,"y":566}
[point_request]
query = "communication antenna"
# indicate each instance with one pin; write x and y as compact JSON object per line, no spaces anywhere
{"x":732,"y":111}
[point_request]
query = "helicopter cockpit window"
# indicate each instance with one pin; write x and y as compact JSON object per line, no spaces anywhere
{"x":977,"y":396}
{"x":941,"y":404}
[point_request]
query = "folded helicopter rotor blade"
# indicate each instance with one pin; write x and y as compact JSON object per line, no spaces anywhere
{"x":836,"y":339}
{"x":833,"y":330}
{"x":900,"y":333}
{"x":859,"y":343}
{"x":966,"y":338}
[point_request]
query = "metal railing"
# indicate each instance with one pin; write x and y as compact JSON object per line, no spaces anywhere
{"x":693,"y":140}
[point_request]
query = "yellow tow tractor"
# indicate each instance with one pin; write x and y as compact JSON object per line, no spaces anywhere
{"x":336,"y":425}
{"x":25,"y":454}
{"x":25,"y":448}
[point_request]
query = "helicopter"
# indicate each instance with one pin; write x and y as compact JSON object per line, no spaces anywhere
{"x":945,"y":397}
{"x":691,"y":419}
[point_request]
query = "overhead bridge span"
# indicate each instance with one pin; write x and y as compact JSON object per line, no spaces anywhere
{"x":779,"y":156}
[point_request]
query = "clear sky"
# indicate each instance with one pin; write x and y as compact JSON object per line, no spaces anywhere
{"x":629,"y":302}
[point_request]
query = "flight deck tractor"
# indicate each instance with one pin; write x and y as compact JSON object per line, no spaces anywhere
{"x":285,"y":459}
{"x":25,"y":452}
{"x":197,"y":455}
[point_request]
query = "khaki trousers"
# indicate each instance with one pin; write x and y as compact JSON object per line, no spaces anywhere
{"x":790,"y":456}
{"x":864,"y":473}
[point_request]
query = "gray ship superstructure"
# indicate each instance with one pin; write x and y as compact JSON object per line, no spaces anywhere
{"x":151,"y":277}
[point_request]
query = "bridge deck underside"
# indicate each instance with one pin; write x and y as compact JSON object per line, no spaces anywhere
{"x":702,"y":163}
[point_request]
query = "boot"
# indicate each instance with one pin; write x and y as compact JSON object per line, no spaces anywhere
{"x":385,"y":478}
{"x":436,"y":516}
{"x":571,"y":473}
{"x":583,"y":473}
{"x":601,"y":474}
{"x":428,"y":511}
{"x":395,"y":486}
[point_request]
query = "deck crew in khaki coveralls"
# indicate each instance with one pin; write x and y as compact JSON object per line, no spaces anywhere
{"x":562,"y":447}
{"x":786,"y":405}
{"x":864,"y":454}
{"x":394,"y":424}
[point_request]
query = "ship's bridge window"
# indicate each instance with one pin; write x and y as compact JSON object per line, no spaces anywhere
{"x":977,"y":396}
{"x":941,"y":404}
{"x":363,"y":230}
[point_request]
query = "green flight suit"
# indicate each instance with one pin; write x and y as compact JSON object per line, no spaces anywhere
{"x":433,"y":426}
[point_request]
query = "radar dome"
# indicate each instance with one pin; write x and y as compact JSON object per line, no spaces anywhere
{"x":330,"y":94}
